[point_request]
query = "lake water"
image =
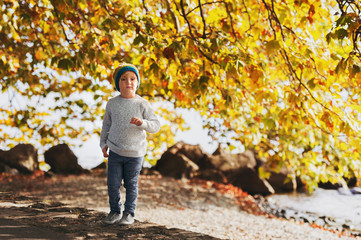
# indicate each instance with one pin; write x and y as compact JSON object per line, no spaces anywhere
{"x":338,"y":209}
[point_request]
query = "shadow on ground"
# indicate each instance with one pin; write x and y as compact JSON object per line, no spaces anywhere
{"x":23,"y":217}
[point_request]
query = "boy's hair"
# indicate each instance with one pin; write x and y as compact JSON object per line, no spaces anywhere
{"x":124,"y":67}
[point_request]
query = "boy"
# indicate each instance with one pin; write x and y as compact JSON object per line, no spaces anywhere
{"x":127,"y":119}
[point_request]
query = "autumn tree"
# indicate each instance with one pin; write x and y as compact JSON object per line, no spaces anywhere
{"x":278,"y":76}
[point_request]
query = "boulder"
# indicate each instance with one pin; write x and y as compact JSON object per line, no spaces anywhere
{"x":6,"y":169}
{"x":343,"y":183}
{"x":181,"y":160}
{"x":62,"y":160}
{"x":329,"y":185}
{"x":230,"y":165}
{"x":23,"y":158}
{"x":149,"y":172}
{"x":227,"y":162}
{"x":355,"y":190}
{"x":192,"y":152}
{"x":241,"y":170}
{"x":211,"y":175}
{"x":176,"y":165}
{"x":249,"y":181}
{"x":351,"y":182}
{"x":102,"y":165}
{"x":282,"y":183}
{"x":2,"y":164}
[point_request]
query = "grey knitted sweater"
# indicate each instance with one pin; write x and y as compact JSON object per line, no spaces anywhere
{"x":119,"y":135}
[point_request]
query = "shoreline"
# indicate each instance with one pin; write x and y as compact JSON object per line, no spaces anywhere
{"x":315,"y":220}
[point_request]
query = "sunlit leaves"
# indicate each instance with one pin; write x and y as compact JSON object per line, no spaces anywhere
{"x":282,"y":77}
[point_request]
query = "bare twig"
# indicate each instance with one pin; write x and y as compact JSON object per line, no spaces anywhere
{"x":186,"y":19}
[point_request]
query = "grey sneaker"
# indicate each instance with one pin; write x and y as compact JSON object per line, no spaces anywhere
{"x":112,"y":217}
{"x":127,"y":219}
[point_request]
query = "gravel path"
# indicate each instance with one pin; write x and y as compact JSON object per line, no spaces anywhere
{"x":197,"y":207}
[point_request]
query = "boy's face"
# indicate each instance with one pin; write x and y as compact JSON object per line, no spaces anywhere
{"x":128,"y":83}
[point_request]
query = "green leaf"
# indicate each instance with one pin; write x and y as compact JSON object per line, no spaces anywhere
{"x":140,"y":39}
{"x":311,"y":83}
{"x":65,"y":64}
{"x":341,"y":66}
{"x":343,"y":20}
{"x":341,"y":33}
{"x":272,"y":46}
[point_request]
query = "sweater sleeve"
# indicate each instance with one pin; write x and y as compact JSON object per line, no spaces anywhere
{"x":150,"y":123}
{"x":107,"y":121}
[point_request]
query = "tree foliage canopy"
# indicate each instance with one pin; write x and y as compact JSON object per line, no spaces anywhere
{"x":279,"y":76}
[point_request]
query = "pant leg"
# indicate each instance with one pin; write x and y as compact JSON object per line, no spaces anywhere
{"x":131,"y":172}
{"x":114,"y":181}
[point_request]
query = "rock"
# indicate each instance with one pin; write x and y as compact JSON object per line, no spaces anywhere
{"x":355,"y":190}
{"x":6,"y":169}
{"x":241,"y":171}
{"x":181,"y":160}
{"x":231,"y":165}
{"x":344,"y":191}
{"x":62,"y":160}
{"x":102,"y":165}
{"x":249,"y":181}
{"x":345,"y":182}
{"x":149,"y":172}
{"x":23,"y":158}
{"x":227,"y":162}
{"x":2,"y":164}
{"x":211,"y":175}
{"x":351,"y":182}
{"x":329,"y":185}
{"x":282,"y":183}
{"x":193,"y":152}
{"x":176,"y":165}
{"x":184,"y":160}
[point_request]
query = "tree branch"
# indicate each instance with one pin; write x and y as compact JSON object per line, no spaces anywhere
{"x":272,"y":15}
{"x":186,"y":19}
{"x":293,"y":72}
{"x":60,"y":22}
{"x":174,"y":17}
{"x":231,"y":19}
{"x":203,"y":20}
{"x":192,"y":35}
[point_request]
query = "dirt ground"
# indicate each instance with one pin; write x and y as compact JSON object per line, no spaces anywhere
{"x":72,"y":207}
{"x":30,"y":218}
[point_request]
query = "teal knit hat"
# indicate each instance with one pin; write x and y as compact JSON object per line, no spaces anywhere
{"x":122,"y":69}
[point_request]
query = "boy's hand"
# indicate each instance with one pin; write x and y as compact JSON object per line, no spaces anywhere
{"x":136,"y":121}
{"x":105,"y":152}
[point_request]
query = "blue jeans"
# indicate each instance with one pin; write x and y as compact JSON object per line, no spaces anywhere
{"x":127,"y":169}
